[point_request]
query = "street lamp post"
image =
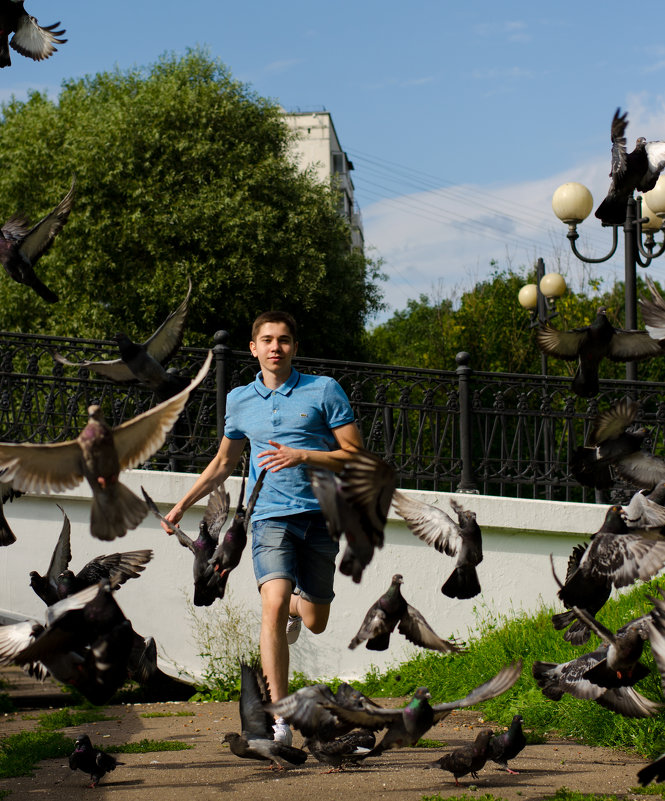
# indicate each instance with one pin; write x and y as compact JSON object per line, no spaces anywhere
{"x":572,"y":202}
{"x":540,"y":300}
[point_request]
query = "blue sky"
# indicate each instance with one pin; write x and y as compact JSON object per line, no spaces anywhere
{"x":460,"y":119}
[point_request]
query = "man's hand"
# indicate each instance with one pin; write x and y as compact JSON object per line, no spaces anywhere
{"x":282,"y":456}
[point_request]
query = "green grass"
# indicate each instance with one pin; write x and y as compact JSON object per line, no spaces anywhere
{"x":652,"y":789}
{"x":148,"y":746}
{"x":20,"y":753}
{"x":425,"y":743}
{"x":563,"y":794}
{"x":502,"y":640}
{"x":166,"y":715}
{"x":63,"y":718}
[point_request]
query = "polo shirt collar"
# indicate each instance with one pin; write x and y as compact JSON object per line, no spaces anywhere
{"x":283,"y":389}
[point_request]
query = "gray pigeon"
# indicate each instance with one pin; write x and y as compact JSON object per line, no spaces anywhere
{"x":554,"y":680}
{"x":630,"y":171}
{"x":467,"y":759}
{"x":257,"y":738}
{"x":462,"y":539}
{"x":98,"y":455}
{"x":392,"y":610}
{"x":7,"y":536}
{"x":87,"y":758}
{"x":653,"y":312}
{"x":144,"y":362}
{"x":593,"y":343}
{"x":30,"y":38}
{"x":22,"y":244}
{"x":407,"y":725}
{"x":348,"y":749}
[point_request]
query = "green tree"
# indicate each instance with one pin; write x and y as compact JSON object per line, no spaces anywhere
{"x":180,"y":170}
{"x":489,"y":323}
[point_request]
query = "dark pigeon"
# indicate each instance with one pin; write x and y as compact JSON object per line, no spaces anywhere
{"x":654,"y":771}
{"x":392,"y":610}
{"x":506,"y":745}
{"x":257,"y":738}
{"x":630,"y":171}
{"x":144,"y":362}
{"x":467,"y":759}
{"x":356,"y":503}
{"x":593,"y":343}
{"x":462,"y":539}
{"x":22,"y":244}
{"x":208,"y":586}
{"x":7,"y":536}
{"x":46,"y":586}
{"x":407,"y":725}
{"x":87,"y":758}
{"x":554,"y":680}
{"x":348,"y":749}
{"x":98,"y":455}
{"x":614,"y":446}
{"x":30,"y":39}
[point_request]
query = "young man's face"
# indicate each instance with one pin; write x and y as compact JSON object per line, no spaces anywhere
{"x":275,"y":348}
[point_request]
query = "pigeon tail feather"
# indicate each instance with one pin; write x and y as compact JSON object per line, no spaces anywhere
{"x":114,"y":516}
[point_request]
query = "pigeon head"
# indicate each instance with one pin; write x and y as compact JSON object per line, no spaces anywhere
{"x":95,"y":412}
{"x":422,"y":694}
{"x":602,"y":310}
{"x":397,"y":579}
{"x":83,"y":741}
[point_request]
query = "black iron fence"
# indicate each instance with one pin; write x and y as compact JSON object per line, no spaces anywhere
{"x":495,"y":433}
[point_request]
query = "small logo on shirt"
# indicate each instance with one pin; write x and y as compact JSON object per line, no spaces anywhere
{"x":302,"y":414}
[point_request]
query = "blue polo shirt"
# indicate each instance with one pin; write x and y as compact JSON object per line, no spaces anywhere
{"x":301,"y":413}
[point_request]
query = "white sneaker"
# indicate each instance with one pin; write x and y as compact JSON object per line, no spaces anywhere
{"x":293,"y":627}
{"x":283,"y":733}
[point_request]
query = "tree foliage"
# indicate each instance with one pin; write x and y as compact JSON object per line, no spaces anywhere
{"x":489,"y":324}
{"x":180,"y":170}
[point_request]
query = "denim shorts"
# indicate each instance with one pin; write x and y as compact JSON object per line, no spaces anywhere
{"x":299,"y":548}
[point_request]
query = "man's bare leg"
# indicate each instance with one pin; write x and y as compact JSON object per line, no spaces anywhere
{"x":275,"y":599}
{"x":314,"y":616}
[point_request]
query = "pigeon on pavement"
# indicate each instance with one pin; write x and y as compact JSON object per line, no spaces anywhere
{"x":593,"y":343}
{"x":144,"y":362}
{"x":507,"y":745}
{"x":390,"y":610}
{"x":87,"y":758}
{"x":467,"y":759}
{"x":257,"y":738}
{"x":98,"y":455}
{"x":344,"y":750}
{"x":30,"y":39}
{"x":630,"y":171}
{"x":22,"y":245}
{"x":407,"y":725}
{"x":462,"y":539}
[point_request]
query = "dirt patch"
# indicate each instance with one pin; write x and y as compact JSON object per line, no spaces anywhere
{"x":209,"y":770}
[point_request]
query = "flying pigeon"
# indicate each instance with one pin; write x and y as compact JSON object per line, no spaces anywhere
{"x":462,"y":539}
{"x":22,"y":245}
{"x":630,"y":171}
{"x":7,"y":536}
{"x":98,"y":455}
{"x":616,"y":557}
{"x":30,"y":39}
{"x":308,"y":711}
{"x":593,"y":343}
{"x":653,"y":312}
{"x":355,"y":502}
{"x":85,"y":642}
{"x":144,"y":362}
{"x":390,"y":610}
{"x":615,"y":445}
{"x":554,"y":680}
{"x":467,"y":759}
{"x":257,"y":738}
{"x":87,"y":758}
{"x":407,"y":725}
{"x":507,"y":745}
{"x":645,"y":509}
{"x":60,"y":582}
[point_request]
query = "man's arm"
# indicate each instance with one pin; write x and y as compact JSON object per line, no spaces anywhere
{"x":348,"y":439}
{"x":219,"y":469}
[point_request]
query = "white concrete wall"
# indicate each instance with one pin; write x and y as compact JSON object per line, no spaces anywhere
{"x":518,"y":537}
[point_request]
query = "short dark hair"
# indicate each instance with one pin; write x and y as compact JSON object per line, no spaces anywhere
{"x":275,"y":316}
